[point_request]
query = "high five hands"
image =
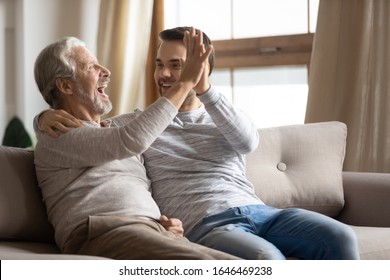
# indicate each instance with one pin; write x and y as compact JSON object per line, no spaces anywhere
{"x":196,"y":65}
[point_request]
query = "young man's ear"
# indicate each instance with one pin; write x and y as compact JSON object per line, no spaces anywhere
{"x":64,"y":85}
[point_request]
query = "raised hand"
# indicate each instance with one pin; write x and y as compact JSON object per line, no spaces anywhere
{"x":196,"y":67}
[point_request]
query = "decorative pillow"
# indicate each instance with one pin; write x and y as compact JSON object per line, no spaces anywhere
{"x":22,"y":211}
{"x":300,"y":166}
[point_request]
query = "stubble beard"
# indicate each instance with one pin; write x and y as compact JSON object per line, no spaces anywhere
{"x":98,"y":105}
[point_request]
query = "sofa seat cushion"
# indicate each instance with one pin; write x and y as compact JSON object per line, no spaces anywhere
{"x":374,"y":242}
{"x":36,"y":251}
{"x":300,"y":166}
{"x":28,"y":247}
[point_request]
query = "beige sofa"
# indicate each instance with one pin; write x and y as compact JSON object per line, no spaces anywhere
{"x":294,"y":166}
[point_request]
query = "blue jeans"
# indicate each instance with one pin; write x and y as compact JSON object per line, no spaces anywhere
{"x":264,"y":232}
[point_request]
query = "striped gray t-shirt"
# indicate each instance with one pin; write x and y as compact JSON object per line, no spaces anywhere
{"x":197,"y":165}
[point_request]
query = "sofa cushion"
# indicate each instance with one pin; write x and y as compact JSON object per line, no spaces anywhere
{"x":22,"y":211}
{"x":374,"y":242}
{"x":300,"y":166}
{"x":37,"y":251}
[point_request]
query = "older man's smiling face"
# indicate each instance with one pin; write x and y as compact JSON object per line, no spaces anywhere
{"x":91,"y":82}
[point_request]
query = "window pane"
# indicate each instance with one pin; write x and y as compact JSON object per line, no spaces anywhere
{"x":250,"y":18}
{"x":221,"y":79}
{"x":211,"y":16}
{"x":257,"y":18}
{"x":313,"y":14}
{"x":271,"y":96}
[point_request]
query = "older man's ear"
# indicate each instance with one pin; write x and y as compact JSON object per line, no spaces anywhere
{"x":64,"y":86}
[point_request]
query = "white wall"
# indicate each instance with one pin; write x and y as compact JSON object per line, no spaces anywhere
{"x":7,"y":64}
{"x":26,"y":27}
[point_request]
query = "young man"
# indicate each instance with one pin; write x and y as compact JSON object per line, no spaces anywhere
{"x":92,"y":178}
{"x":197,"y":169}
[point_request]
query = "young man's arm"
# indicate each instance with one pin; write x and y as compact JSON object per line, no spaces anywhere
{"x":234,"y":124}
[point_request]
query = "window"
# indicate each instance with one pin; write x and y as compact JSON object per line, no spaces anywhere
{"x":263,"y":51}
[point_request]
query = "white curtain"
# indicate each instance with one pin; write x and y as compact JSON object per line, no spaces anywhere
{"x":349,"y":78}
{"x":123,"y":40}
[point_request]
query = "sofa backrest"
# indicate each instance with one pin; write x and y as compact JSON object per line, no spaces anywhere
{"x":294,"y":166}
{"x":22,"y":211}
{"x":300,"y":166}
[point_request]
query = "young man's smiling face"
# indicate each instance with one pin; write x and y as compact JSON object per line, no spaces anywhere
{"x":170,"y":58}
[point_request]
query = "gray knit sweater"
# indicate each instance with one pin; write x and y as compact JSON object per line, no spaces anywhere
{"x":93,"y":170}
{"x":197,"y":165}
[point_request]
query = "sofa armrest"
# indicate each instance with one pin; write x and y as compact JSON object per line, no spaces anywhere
{"x":367,"y":199}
